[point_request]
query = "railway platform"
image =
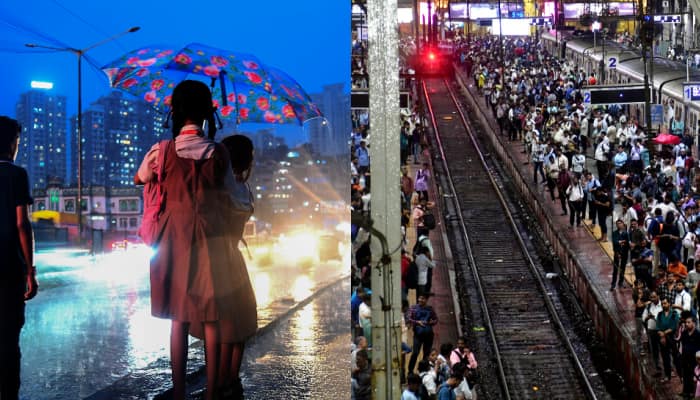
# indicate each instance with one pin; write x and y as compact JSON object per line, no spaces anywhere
{"x":448,"y":328}
{"x":588,"y":265}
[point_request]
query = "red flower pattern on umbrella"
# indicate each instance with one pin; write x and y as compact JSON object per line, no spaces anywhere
{"x":226,"y":110}
{"x":219,"y":61}
{"x":129,"y":83}
{"x":250,"y":64}
{"x":269,"y":117}
{"x":153,"y":72}
{"x":147,"y":62}
{"x":263,"y":104}
{"x":211,"y":70}
{"x":215,"y":103}
{"x":183,"y":59}
{"x":288,"y":111}
{"x":157,"y":84}
{"x":150,"y":96}
{"x":253,"y":77}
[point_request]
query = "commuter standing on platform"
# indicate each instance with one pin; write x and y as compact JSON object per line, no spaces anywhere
{"x":17,"y":272}
{"x":666,"y":324}
{"x":690,"y":344}
{"x":422,"y":181}
{"x":649,"y":317}
{"x":575,"y":195}
{"x":620,"y":242}
{"x":422,"y":318}
{"x":603,"y":208}
{"x":592,"y":184}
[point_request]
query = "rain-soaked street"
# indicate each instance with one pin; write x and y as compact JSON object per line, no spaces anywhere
{"x":90,"y":326}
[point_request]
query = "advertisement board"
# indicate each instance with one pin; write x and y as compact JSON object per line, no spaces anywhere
{"x":576,"y":10}
{"x":511,"y":27}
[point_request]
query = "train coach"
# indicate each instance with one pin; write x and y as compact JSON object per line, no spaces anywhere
{"x":623,"y":66}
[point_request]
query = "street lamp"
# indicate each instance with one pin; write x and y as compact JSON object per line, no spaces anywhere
{"x":80,"y":53}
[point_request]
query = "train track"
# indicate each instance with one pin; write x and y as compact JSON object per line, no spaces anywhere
{"x":533,"y":355}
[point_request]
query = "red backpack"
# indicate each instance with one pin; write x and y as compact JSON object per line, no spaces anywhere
{"x":154,"y":199}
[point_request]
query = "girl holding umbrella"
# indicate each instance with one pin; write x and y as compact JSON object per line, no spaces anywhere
{"x":193,"y":279}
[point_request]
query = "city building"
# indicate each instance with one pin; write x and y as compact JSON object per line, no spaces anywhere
{"x":42,"y":151}
{"x":106,"y":209}
{"x":117,"y":133}
{"x":329,"y":136}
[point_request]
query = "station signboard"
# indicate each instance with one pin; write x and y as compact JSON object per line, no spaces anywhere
{"x":668,"y":18}
{"x":691,"y":91}
{"x":541,"y":21}
{"x":626,"y":94}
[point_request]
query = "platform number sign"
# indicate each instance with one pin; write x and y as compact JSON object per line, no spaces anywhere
{"x":691,"y":91}
{"x":612,"y":62}
{"x":587,"y":96}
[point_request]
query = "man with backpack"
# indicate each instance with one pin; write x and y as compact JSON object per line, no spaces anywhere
{"x":424,"y":241}
{"x":425,"y":264}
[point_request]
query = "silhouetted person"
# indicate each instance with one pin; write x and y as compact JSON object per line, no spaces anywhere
{"x":17,"y":272}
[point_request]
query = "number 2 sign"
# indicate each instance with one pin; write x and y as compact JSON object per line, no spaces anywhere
{"x":612,"y":62}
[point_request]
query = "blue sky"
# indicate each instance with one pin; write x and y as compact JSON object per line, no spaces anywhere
{"x":307,"y":39}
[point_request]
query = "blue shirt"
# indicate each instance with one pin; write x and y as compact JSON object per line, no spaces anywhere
{"x":446,"y":393}
{"x":362,"y":156}
{"x":620,"y":159}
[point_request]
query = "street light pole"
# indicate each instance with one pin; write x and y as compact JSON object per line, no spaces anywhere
{"x":79,"y":128}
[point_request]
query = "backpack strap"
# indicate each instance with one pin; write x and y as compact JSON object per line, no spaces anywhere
{"x":163,"y":150}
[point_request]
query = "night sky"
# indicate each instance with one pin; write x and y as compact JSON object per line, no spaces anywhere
{"x":309,"y":40}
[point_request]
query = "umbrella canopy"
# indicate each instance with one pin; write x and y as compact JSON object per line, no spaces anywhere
{"x":244,"y":89}
{"x":666,"y":138}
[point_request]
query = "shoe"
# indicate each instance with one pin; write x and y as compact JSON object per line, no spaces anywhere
{"x":665,"y":379}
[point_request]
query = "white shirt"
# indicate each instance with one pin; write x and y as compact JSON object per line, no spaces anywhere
{"x":575,"y":192}
{"x":429,"y":379}
{"x":578,"y":162}
{"x":463,"y":390}
{"x":365,"y":313}
{"x":684,"y":300}
{"x":423,"y":263}
{"x":654,"y":310}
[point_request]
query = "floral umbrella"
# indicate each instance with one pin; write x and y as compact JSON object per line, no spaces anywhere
{"x":244,"y":89}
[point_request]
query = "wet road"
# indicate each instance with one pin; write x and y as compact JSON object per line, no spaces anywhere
{"x":90,"y":325}
{"x":302,"y":355}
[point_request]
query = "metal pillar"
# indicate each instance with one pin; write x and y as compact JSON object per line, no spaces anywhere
{"x":386,"y":198}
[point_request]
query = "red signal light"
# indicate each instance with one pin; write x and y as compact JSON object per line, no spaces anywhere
{"x":431,"y":56}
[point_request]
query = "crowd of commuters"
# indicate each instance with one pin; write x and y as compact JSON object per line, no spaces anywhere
{"x":428,"y":370}
{"x":645,"y":191}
